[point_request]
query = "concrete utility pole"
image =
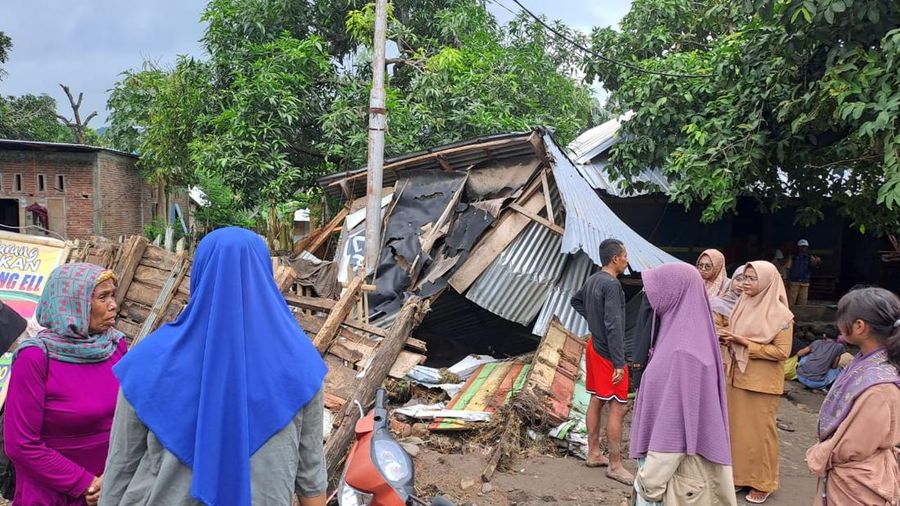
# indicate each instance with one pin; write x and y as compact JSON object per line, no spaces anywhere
{"x":377,"y":126}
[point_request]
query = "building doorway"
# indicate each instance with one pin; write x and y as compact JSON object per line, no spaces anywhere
{"x":9,"y":215}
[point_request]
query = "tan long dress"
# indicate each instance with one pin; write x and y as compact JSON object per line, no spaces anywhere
{"x":861,"y":457}
{"x":753,"y":398}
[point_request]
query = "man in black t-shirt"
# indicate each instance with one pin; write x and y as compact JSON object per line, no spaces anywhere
{"x":601,"y":302}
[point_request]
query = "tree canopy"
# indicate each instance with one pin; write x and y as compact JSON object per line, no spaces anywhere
{"x":798,"y":101}
{"x":283,"y":97}
{"x":5,"y":46}
{"x":31,"y":118}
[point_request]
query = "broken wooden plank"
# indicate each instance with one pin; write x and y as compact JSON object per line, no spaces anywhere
{"x":133,"y":251}
{"x":338,"y":314}
{"x":182,"y":265}
{"x":311,"y":303}
{"x":545,"y":185}
{"x":410,"y":315}
{"x":365,"y":327}
{"x":284,"y":277}
{"x":405,"y":363}
{"x":538,"y":219}
{"x":510,"y":225}
{"x":158,"y":258}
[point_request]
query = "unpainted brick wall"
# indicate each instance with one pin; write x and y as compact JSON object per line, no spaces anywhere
{"x":124,"y":194}
{"x":77,"y":170}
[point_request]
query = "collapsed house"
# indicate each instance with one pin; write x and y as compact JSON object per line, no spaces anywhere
{"x":484,"y":243}
{"x":497,"y":232}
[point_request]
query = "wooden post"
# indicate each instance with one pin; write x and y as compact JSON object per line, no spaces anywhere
{"x":410,"y":315}
{"x":181,"y":268}
{"x":338,"y":314}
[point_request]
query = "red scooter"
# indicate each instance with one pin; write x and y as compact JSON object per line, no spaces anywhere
{"x":378,"y":471}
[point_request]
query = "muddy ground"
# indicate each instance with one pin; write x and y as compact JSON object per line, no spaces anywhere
{"x":540,"y":476}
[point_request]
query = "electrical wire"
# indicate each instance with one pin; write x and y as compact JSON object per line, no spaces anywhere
{"x":598,"y":55}
{"x":33,"y":227}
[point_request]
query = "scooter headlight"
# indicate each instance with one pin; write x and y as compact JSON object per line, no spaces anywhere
{"x":392,"y":461}
{"x":349,"y":496}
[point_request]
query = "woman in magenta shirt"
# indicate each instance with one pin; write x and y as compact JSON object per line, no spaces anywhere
{"x":62,"y":392}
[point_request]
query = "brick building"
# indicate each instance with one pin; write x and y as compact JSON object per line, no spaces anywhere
{"x":74,"y":191}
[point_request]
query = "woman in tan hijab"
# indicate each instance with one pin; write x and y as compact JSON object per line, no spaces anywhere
{"x":711,"y":264}
{"x":759,"y":341}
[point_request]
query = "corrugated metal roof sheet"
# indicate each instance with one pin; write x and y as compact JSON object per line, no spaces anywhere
{"x":594,"y":141}
{"x":577,"y":270}
{"x":516,"y":284}
{"x":458,"y":156}
{"x":598,"y":176}
{"x":587,"y":152}
{"x":65,"y":147}
{"x":589,"y":220}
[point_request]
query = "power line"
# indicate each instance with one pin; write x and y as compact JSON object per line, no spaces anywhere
{"x":598,"y":55}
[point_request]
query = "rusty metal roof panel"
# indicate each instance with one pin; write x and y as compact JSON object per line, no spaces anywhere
{"x":456,"y":156}
{"x":515,"y":286}
{"x":578,"y":268}
{"x":589,"y":220}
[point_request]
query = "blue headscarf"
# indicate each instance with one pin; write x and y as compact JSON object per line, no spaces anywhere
{"x":232,"y":371}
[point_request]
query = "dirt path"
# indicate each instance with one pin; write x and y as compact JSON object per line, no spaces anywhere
{"x":542,"y":479}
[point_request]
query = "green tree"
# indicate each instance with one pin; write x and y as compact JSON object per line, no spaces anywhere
{"x":31,"y":118}
{"x":798,"y":100}
{"x":469,"y":77}
{"x":258,"y":142}
{"x":5,"y":46}
{"x":283,"y":97}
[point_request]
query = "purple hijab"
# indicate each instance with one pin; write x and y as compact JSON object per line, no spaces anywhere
{"x":680,"y":407}
{"x":863,"y":372}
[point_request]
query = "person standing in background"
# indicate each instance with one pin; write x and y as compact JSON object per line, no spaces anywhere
{"x":759,"y":341}
{"x":799,"y":268}
{"x":722,"y":307}
{"x":601,"y":301}
{"x":711,"y":264}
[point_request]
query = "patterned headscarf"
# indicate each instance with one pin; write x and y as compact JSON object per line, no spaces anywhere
{"x":65,"y":311}
{"x":863,"y":372}
{"x":717,"y":285}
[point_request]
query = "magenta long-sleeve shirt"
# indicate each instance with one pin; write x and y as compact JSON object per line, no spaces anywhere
{"x":56,"y":426}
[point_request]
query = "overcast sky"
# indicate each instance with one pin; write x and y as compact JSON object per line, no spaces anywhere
{"x":86,"y":44}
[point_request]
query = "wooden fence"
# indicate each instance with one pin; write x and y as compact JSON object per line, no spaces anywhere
{"x":154,"y":287}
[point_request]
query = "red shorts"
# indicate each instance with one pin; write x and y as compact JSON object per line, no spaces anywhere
{"x":599,"y":377}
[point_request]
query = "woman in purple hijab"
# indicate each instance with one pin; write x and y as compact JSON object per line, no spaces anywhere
{"x":679,"y":431}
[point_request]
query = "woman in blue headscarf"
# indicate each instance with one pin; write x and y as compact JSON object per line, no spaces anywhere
{"x":224,"y":406}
